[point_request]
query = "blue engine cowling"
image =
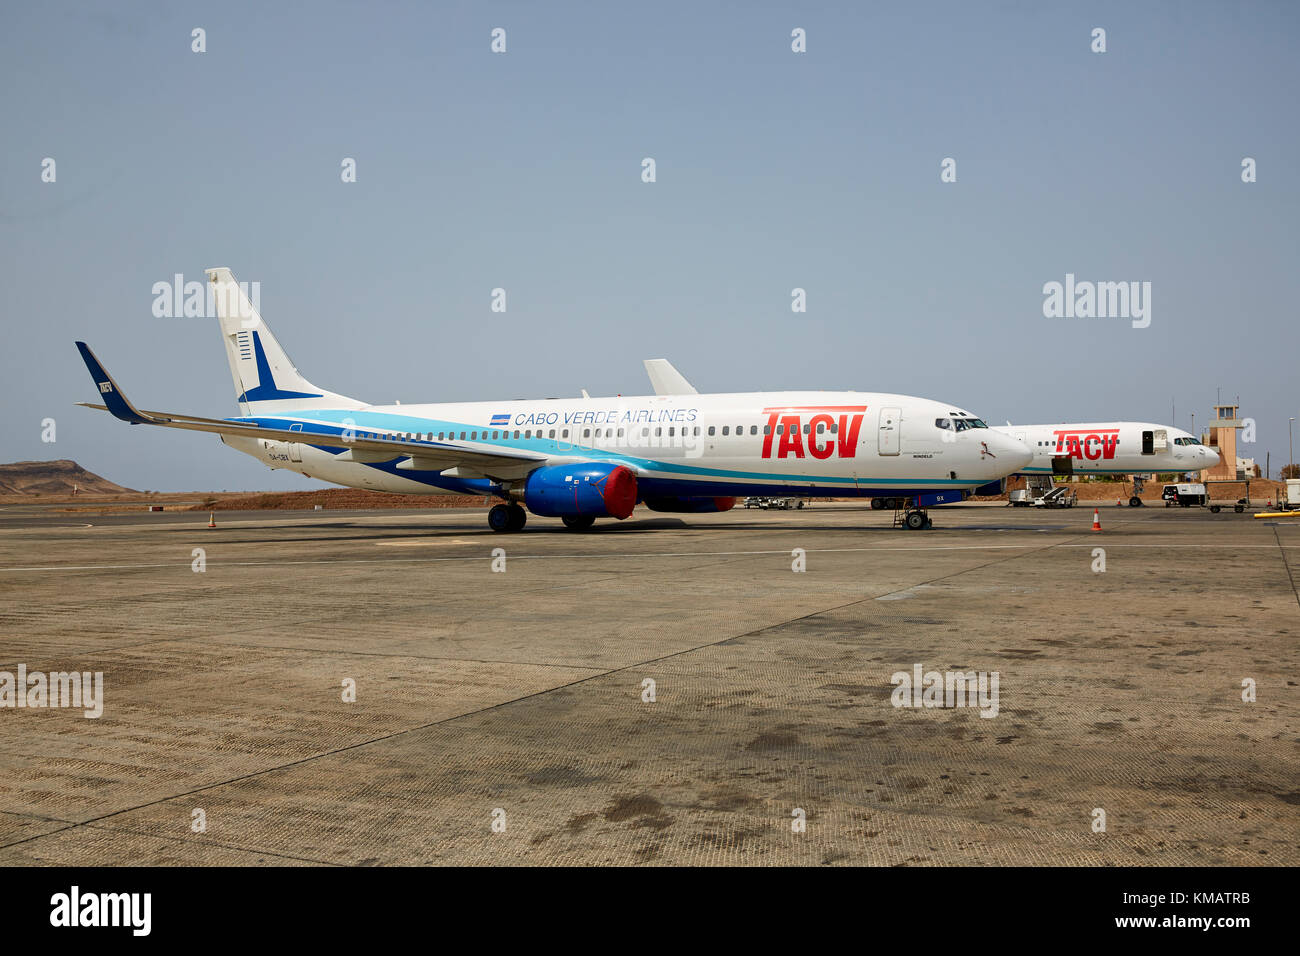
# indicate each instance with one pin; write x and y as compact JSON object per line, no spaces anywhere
{"x":596,"y":490}
{"x":687,"y":504}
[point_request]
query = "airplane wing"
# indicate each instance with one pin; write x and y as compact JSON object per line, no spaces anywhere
{"x":364,"y":445}
{"x":666,"y":380}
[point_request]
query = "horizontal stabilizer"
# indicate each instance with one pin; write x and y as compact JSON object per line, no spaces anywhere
{"x":364,"y":443}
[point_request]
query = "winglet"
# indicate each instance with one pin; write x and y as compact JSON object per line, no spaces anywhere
{"x":117,"y":403}
{"x":666,"y":380}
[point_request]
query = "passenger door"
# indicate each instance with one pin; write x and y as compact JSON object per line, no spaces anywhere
{"x":887,"y":431}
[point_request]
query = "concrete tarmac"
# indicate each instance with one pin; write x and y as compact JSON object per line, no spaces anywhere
{"x":508,"y":717}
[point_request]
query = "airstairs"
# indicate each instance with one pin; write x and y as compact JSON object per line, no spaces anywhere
{"x":1042,"y":491}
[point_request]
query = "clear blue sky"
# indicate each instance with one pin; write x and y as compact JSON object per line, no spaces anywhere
{"x":775,"y":170}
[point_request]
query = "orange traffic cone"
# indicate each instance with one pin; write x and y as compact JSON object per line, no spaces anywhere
{"x":212,"y":519}
{"x":1119,"y":502}
{"x":1096,"y":520}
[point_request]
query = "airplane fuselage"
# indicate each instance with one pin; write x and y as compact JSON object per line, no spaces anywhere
{"x":842,"y":444}
{"x":1111,"y":448}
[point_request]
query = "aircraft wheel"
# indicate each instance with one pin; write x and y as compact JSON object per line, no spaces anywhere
{"x":915,"y":521}
{"x":578,"y":522}
{"x":1239,"y":508}
{"x":499,"y":518}
{"x":1135,"y":502}
{"x":518,"y":517}
{"x":877,"y":504}
{"x":1214,"y":509}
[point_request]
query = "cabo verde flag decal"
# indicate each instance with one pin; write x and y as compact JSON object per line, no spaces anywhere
{"x":500,"y":419}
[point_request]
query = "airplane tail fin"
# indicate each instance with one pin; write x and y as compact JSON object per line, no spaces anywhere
{"x":666,"y":380}
{"x":265,"y":380}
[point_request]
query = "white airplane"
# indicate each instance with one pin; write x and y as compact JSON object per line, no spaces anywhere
{"x":1108,"y":448}
{"x":588,"y":458}
{"x":1111,"y":448}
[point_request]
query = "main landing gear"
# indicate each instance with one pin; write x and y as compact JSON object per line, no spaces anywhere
{"x":507,"y":518}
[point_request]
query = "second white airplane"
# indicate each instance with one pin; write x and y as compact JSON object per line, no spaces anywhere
{"x":583,"y":459}
{"x":1111,"y":448}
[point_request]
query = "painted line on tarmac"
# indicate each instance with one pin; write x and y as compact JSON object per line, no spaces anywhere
{"x":645,"y":554}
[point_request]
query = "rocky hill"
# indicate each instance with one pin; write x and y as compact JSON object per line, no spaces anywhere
{"x":54,"y":478}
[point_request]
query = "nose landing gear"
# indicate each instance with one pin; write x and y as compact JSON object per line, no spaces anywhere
{"x":917,"y":520}
{"x":908,"y":515}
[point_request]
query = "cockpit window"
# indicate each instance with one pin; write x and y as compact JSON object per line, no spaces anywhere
{"x":1187,"y":441}
{"x":959,"y":424}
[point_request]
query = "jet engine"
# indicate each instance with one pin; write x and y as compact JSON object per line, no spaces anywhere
{"x":690,"y":505}
{"x":593,"y":490}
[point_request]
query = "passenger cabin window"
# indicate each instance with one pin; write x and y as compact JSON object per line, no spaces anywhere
{"x":710,"y":429}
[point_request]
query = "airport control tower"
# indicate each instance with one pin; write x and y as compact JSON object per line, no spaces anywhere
{"x":1223,"y":436}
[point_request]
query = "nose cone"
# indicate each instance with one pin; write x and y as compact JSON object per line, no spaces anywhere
{"x":1009,"y":454}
